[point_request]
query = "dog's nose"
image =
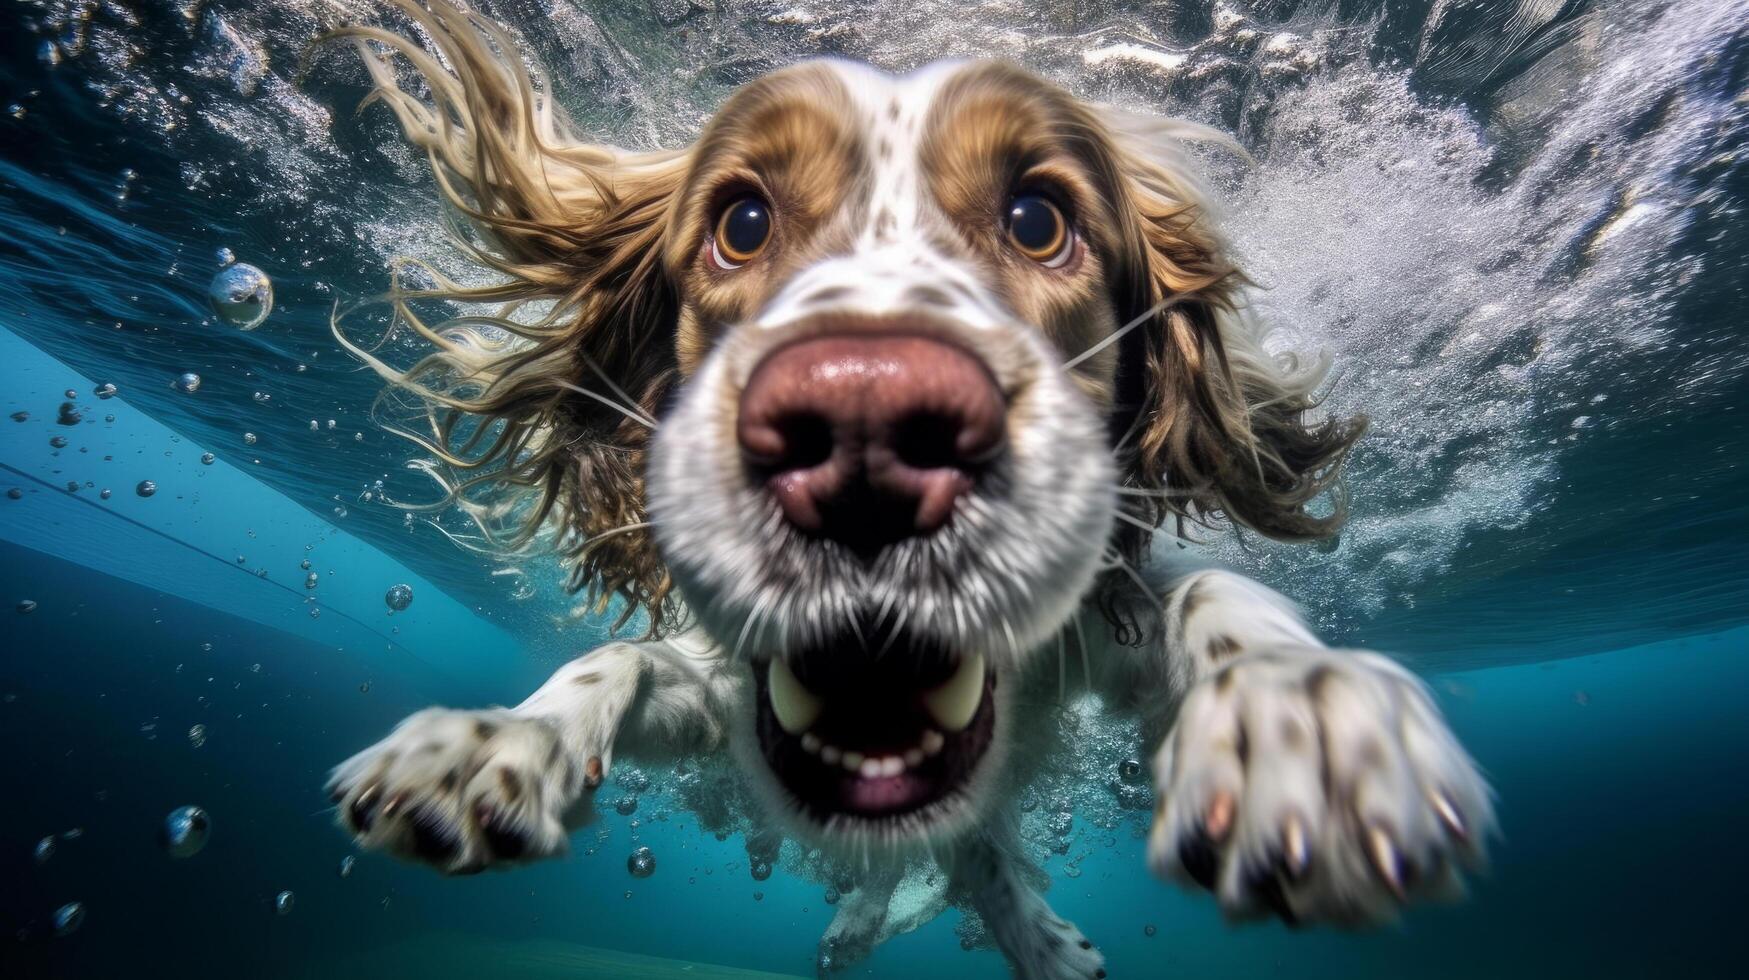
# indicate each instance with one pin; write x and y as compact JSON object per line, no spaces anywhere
{"x":869,"y":440}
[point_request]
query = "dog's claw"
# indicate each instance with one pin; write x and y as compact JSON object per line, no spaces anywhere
{"x":1449,"y":815}
{"x":1218,"y":819}
{"x":1296,"y":854}
{"x":362,"y":812}
{"x":1387,"y":861}
{"x":592,"y":772}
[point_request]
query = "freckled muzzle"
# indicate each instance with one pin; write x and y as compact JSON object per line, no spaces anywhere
{"x":873,"y":734}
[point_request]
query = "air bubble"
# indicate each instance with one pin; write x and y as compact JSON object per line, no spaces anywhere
{"x":27,"y":605}
{"x":44,"y":849}
{"x":187,"y":382}
{"x":197,"y":736}
{"x":206,"y":459}
{"x":68,"y":918}
{"x":146,"y":488}
{"x":399,"y":597}
{"x":242,"y":295}
{"x":185,"y":831}
{"x":105,"y":390}
{"x":346,"y":864}
{"x":760,"y":870}
{"x":642,"y":863}
{"x":283,"y":902}
{"x":249,"y":439}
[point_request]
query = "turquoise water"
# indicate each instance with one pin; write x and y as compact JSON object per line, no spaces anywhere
{"x":1517,"y":227}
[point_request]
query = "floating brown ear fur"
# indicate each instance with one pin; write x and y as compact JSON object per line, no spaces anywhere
{"x":536,"y":404}
{"x":1217,"y":425}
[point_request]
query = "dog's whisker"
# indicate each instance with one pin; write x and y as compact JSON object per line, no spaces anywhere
{"x":747,"y":624}
{"x":1118,"y":334}
{"x":1062,"y":669}
{"x":1136,"y":521}
{"x":1162,"y":493}
{"x":634,"y":415}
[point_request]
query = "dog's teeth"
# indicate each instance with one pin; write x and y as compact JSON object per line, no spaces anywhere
{"x":853,"y":761}
{"x":932,"y":742}
{"x":870,"y":768}
{"x":829,"y":754}
{"x":794,"y":705}
{"x":954,"y":703}
{"x":913,"y":757}
{"x":892,"y":765}
{"x":811,"y":743}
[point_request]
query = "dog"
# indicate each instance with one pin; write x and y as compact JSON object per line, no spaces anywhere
{"x":871,"y":403}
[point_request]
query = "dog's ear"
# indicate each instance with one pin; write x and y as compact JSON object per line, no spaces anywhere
{"x":1206,"y":416}
{"x":537,"y":402}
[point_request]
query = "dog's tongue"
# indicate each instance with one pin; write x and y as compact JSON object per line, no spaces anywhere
{"x":884,"y":793}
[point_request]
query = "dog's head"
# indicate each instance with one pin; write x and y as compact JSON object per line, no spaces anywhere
{"x":880,"y":375}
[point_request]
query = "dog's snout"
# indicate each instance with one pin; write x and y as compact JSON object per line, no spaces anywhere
{"x":868,"y":440}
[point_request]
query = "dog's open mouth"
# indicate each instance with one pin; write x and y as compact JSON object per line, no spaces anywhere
{"x":854,"y":734}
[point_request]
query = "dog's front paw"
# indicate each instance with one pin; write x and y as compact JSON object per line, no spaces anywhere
{"x":464,"y":790}
{"x":1318,"y":786}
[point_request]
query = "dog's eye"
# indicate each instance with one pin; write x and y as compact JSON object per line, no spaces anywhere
{"x":742,"y":231}
{"x":1037,"y":227}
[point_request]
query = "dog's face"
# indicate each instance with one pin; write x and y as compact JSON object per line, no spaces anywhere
{"x":882,"y":327}
{"x":879,"y":484}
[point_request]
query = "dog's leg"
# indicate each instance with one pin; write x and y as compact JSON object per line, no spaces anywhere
{"x":466,"y":789}
{"x":1296,"y":780}
{"x":1038,"y":944}
{"x":858,"y":925}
